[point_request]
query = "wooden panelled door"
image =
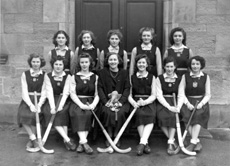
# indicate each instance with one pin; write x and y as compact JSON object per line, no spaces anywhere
{"x":129,"y":16}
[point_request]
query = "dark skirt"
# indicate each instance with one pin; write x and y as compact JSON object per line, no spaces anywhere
{"x":61,"y":118}
{"x":145,"y":115}
{"x":200,"y":117}
{"x":81,"y":120}
{"x":25,"y":116}
{"x":165,"y":117}
{"x":108,"y":117}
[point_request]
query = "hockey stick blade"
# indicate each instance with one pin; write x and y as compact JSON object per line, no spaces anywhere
{"x":109,"y":149}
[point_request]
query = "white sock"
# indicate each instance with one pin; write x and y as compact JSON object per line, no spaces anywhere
{"x":171,"y":141}
{"x":67,"y":140}
{"x":82,"y":137}
{"x":32,"y":137}
{"x":193,"y":141}
{"x":143,"y":141}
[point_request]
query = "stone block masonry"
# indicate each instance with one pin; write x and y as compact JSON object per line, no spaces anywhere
{"x":27,"y":26}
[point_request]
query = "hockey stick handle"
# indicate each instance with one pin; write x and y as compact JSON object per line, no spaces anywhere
{"x":44,"y":139}
{"x":38,"y":127}
{"x":179,"y":135}
{"x":124,"y":126}
{"x":190,"y":119}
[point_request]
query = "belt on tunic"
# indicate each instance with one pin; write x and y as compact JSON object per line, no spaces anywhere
{"x":32,"y":93}
{"x":66,"y":70}
{"x":196,"y":96}
{"x":168,"y":95}
{"x":58,"y":95}
{"x":81,"y":96}
{"x":182,"y":69}
{"x":141,"y":95}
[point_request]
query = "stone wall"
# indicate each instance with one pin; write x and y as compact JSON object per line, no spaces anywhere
{"x":207,"y":23}
{"x":28,"y":26}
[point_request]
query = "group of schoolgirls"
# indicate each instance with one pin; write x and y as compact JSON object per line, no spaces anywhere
{"x":93,"y":80}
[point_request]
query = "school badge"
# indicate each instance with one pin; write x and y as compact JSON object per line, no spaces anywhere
{"x":194,"y":84}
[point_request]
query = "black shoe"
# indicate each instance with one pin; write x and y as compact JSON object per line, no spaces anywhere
{"x":170,"y":149}
{"x":70,"y":145}
{"x":107,"y":144}
{"x":176,"y":147}
{"x":118,"y":144}
{"x":191,"y":147}
{"x":88,"y":149}
{"x":35,"y":143}
{"x":147,"y":149}
{"x":198,"y":147}
{"x":140,"y":149}
{"x":80,"y":148}
{"x":29,"y":144}
{"x":66,"y":146}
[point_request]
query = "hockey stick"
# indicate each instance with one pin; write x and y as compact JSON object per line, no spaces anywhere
{"x":51,"y":122}
{"x":38,"y":127}
{"x":189,"y":121}
{"x":108,"y":137}
{"x":179,"y":135}
{"x":110,"y":149}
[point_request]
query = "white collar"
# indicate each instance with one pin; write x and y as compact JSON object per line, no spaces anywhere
{"x":64,"y":49}
{"x":87,"y":48}
{"x":32,"y":72}
{"x":166,"y":76}
{"x":138,"y":74}
{"x":81,"y":74}
{"x":55,"y":75}
{"x":199,"y":75}
{"x":146,"y":47}
{"x":177,"y":48}
{"x":113,"y":48}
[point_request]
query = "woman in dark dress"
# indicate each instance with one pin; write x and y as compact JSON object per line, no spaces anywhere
{"x":61,"y":43}
{"x":83,"y":92}
{"x":179,"y":50}
{"x":113,"y":90}
{"x":142,"y":97}
{"x":147,"y":46}
{"x":57,"y":86}
{"x":167,"y":84}
{"x":114,"y":37}
{"x":195,"y":86}
{"x":32,"y":80}
{"x":87,"y":41}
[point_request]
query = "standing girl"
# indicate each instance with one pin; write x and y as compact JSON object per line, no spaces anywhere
{"x":83,"y":91}
{"x":114,"y":38}
{"x":32,"y":80}
{"x":195,"y":86}
{"x":113,"y":90}
{"x":57,"y":86}
{"x":87,"y":44}
{"x":142,"y":97}
{"x":179,"y":50}
{"x":147,"y":47}
{"x":61,"y":43}
{"x":167,"y":84}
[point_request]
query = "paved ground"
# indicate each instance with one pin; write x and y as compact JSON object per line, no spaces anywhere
{"x":216,"y":152}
